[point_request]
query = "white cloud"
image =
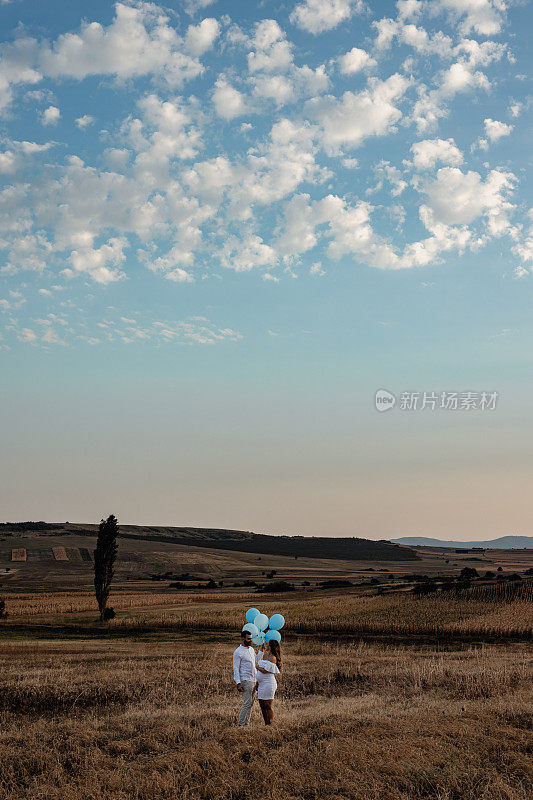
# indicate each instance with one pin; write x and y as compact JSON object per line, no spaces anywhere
{"x":297,"y":234}
{"x":201,"y":38}
{"x":179,"y":275}
{"x":244,"y":254}
{"x":101,"y":262}
{"x":8,"y":162}
{"x":14,"y":157}
{"x":479,"y":53}
{"x":355,"y":60}
{"x":50,"y":336}
{"x":174,"y":188}
{"x":117,"y":157}
{"x":228,"y":101}
{"x":409,"y":9}
{"x":192,"y":6}
{"x":412,"y":36}
{"x":281,"y":164}
{"x":317,"y":16}
{"x":431,"y":105}
{"x":274,"y":75}
{"x":27,"y":335}
{"x":392,"y":175}
{"x":166,"y":132}
{"x":457,"y":198}
{"x":209,"y":179}
{"x":51,"y":116}
{"x":524,"y":248}
{"x":371,"y":112}
{"x":271,"y":50}
{"x":17,"y":66}
{"x":484,"y":17}
{"x":495,"y":130}
{"x":85,"y":121}
{"x":430,"y":151}
{"x":274,"y":87}
{"x":139,"y":41}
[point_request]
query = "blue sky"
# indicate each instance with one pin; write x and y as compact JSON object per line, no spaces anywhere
{"x":224,"y":226}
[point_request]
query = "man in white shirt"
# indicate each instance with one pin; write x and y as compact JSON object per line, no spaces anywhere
{"x":244,"y":672}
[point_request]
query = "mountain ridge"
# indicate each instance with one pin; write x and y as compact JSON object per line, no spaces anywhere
{"x":501,"y":543}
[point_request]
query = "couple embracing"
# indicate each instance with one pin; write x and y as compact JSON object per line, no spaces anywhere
{"x":253,"y":671}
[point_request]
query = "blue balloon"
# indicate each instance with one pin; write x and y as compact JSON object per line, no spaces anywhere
{"x":272,"y":635}
{"x":258,"y":638}
{"x":276,"y":622}
{"x":251,"y":614}
{"x":251,"y":628}
{"x":261,"y":620}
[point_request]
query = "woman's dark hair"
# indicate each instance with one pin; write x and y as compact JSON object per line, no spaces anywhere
{"x":275,"y":649}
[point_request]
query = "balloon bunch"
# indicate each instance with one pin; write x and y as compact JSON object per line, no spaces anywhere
{"x":262,"y":628}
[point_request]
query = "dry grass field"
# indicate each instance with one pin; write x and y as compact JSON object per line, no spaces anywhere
{"x":466,"y":613}
{"x":88,"y":720}
{"x":385,"y":694}
{"x":144,"y":707}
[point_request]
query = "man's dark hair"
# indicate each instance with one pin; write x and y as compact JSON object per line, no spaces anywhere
{"x":244,"y":634}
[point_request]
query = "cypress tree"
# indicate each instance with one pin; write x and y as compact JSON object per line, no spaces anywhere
{"x":104,"y":559}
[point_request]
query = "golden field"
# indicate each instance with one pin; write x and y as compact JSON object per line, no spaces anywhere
{"x":352,"y":613}
{"x":144,"y":707}
{"x":155,"y":721}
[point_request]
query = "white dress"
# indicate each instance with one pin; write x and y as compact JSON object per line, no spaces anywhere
{"x":266,"y":683}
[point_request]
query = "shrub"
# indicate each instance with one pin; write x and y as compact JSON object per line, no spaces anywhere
{"x":335,"y":583}
{"x":109,"y":613}
{"x":277,"y":586}
{"x":3,"y":612}
{"x":469,"y":572}
{"x":428,"y":587}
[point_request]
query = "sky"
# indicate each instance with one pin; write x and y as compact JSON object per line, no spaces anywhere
{"x":225,"y":226}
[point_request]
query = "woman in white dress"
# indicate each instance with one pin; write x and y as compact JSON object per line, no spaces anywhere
{"x":268,"y":662}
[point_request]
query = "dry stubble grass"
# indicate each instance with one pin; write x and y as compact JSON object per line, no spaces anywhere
{"x":347,"y":614}
{"x":397,"y":614}
{"x":122,"y":720}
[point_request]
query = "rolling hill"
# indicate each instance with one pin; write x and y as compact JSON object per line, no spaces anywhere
{"x":351,"y":548}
